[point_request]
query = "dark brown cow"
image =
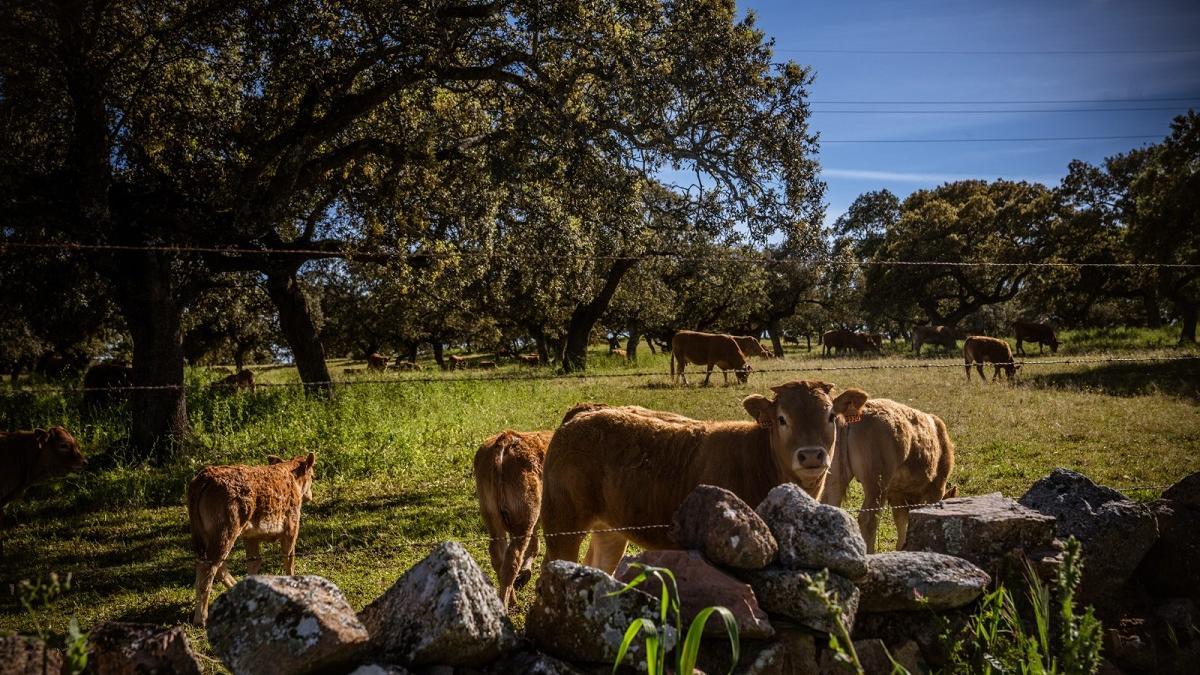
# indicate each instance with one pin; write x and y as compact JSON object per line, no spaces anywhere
{"x":980,"y":349}
{"x":614,"y":469}
{"x":529,"y":359}
{"x":708,"y":349}
{"x":243,"y":379}
{"x":457,"y":362}
{"x":750,"y":346}
{"x":407,"y":365}
{"x":946,"y":336}
{"x":1042,"y":334}
{"x":104,"y":383}
{"x":32,"y":457}
{"x":377,"y":361}
{"x":257,"y":503}
{"x":837,"y":340}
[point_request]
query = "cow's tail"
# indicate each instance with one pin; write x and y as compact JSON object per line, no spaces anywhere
{"x":946,"y":457}
{"x":672,"y":365}
{"x":506,"y":440}
{"x":195,"y":522}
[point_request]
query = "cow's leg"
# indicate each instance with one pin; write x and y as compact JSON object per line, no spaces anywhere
{"x":254,"y":559}
{"x":206,"y":572}
{"x":606,"y":550}
{"x":513,"y":560}
{"x":563,"y":547}
{"x":498,"y":544}
{"x":526,"y":572}
{"x":1020,"y":348}
{"x":708,"y":374}
{"x":979,"y":369}
{"x":868,"y":517}
{"x":900,"y":516}
{"x":725,"y":374}
{"x":287,"y":541}
{"x":682,"y":364}
{"x":968,"y":371}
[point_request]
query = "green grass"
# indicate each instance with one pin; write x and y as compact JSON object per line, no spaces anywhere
{"x":394,"y":461}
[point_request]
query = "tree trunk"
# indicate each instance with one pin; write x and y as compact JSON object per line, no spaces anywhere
{"x":635,"y":336}
{"x":584,"y":318}
{"x":412,"y":351}
{"x":438,"y":353}
{"x":295,"y":320}
{"x":1187,"y":334}
{"x":1150,"y":307}
{"x":807,"y":342}
{"x":775,"y":330}
{"x":650,"y":344}
{"x":145,"y":294}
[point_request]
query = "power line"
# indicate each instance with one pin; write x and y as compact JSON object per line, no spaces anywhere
{"x":1031,"y":139}
{"x":11,"y":246}
{"x":994,"y":111}
{"x":991,"y":52}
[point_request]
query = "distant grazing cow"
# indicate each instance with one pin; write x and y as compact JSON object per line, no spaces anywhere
{"x":946,"y":336}
{"x":457,"y":362}
{"x":487,"y":365}
{"x":978,"y":350}
{"x":614,"y":469}
{"x":243,"y":379}
{"x":377,"y":361}
{"x":104,"y":384}
{"x":708,"y":349}
{"x":407,"y":365}
{"x":875,"y":340}
{"x":258,"y":503}
{"x":750,"y":346}
{"x":529,"y":359}
{"x":902,"y":457}
{"x":1041,"y":333}
{"x":31,"y":457}
{"x":620,"y":353}
{"x":837,"y":340}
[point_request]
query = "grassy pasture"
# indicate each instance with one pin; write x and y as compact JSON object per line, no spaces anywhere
{"x":394,"y":459}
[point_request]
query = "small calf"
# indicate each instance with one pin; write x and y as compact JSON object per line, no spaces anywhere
{"x":979,"y":349}
{"x":487,"y":365}
{"x":407,"y":365}
{"x":32,"y":457}
{"x":529,"y":359}
{"x":258,"y":503}
{"x":377,"y":361}
{"x":243,"y":379}
{"x":457,"y":362}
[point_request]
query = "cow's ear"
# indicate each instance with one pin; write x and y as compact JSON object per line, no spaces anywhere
{"x":274,"y":459}
{"x":310,"y":460}
{"x":849,"y":403}
{"x":40,"y":436}
{"x":823,"y":386}
{"x":951,"y":492}
{"x":759,"y":408}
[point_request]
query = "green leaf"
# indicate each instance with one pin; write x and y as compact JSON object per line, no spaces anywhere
{"x":691,"y":644}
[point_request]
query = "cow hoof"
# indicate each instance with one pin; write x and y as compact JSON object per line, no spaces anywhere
{"x":523,"y":578}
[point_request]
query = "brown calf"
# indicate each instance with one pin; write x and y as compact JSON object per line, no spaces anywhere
{"x":257,"y":503}
{"x":1042,"y":334}
{"x":32,"y":457}
{"x":708,"y":349}
{"x":946,"y":336}
{"x":456,"y":362}
{"x":377,"y":361}
{"x":529,"y":359}
{"x":902,"y":457}
{"x":614,"y":469}
{"x":980,"y":349}
{"x":750,"y":346}
{"x":243,"y":379}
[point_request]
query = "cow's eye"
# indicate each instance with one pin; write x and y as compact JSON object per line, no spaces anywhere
{"x":782,"y":422}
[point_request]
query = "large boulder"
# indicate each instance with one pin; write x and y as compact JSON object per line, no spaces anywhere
{"x":790,"y":593}
{"x":22,"y":655}
{"x":981,"y":529}
{"x":1169,"y":567}
{"x":268,"y":624}
{"x":919,"y":580}
{"x":724,"y":528}
{"x":1116,"y":533}
{"x":117,"y":648}
{"x":812,"y":535}
{"x":701,"y":585}
{"x":578,"y":615}
{"x":442,"y":611}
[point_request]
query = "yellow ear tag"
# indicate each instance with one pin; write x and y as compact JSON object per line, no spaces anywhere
{"x":852,"y":420}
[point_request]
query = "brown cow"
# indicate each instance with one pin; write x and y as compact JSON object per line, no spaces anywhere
{"x":875,"y":340}
{"x":620,"y":353}
{"x":407,"y":365}
{"x":457,"y":362}
{"x":487,"y":365}
{"x":836,"y":340}
{"x":243,"y":379}
{"x":708,"y":349}
{"x":32,"y":457}
{"x":105,"y":384}
{"x":1042,"y":334}
{"x":613,"y":469}
{"x":750,"y":346}
{"x":529,"y":359}
{"x":508,"y":483}
{"x":377,"y":361}
{"x":946,"y":336}
{"x":902,"y":457}
{"x":258,"y":503}
{"x":979,"y":349}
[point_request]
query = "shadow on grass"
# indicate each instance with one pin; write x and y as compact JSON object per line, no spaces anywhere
{"x":1180,"y":379}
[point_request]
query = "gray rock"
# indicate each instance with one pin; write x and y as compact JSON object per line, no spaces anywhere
{"x":701,"y":585}
{"x":927,"y":631}
{"x":981,"y":529}
{"x":531,"y":663}
{"x":442,"y":611}
{"x":117,"y":648}
{"x":378,"y":669}
{"x":724,"y":528}
{"x":269,"y":624}
{"x":1169,"y":567}
{"x":788,"y":593}
{"x":1116,"y":532}
{"x":577,"y":617}
{"x":792,"y":651}
{"x":919,"y":580}
{"x":22,"y":655}
{"x":811,"y":535}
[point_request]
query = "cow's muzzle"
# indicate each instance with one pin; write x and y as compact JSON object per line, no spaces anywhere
{"x":810,"y":460}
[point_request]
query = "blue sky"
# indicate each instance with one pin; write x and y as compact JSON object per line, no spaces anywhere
{"x":1139,"y":38}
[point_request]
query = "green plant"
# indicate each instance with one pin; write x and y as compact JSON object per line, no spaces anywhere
{"x":840,"y":643}
{"x":35,"y":595}
{"x":1057,"y":639}
{"x":656,"y":641}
